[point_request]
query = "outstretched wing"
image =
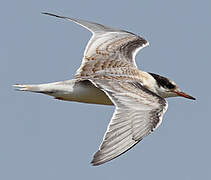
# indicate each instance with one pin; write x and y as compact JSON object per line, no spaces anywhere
{"x":108,"y":48}
{"x":138,"y":112}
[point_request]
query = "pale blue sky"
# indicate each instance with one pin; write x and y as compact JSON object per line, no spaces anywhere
{"x":42,"y":138}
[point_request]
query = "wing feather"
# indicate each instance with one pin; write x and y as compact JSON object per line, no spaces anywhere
{"x":138,"y":112}
{"x":107,"y":49}
{"x":110,"y":55}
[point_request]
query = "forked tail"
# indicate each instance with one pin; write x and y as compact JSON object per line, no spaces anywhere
{"x":28,"y":87}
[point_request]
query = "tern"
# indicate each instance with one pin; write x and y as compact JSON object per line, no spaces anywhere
{"x":109,"y":75}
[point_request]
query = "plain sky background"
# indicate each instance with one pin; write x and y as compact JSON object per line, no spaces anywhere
{"x":42,"y":138}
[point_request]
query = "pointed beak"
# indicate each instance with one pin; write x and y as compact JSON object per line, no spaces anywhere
{"x":182,"y":94}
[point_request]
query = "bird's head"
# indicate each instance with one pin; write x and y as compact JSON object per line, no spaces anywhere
{"x":168,"y":88}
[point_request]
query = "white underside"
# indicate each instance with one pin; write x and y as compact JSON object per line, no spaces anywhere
{"x":70,"y":90}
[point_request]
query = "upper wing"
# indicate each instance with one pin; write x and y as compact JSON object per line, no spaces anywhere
{"x":107,"y":48}
{"x":138,"y":112}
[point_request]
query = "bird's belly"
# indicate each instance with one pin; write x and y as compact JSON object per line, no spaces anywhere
{"x":84,"y":91}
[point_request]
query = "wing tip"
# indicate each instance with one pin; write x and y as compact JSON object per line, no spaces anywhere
{"x":96,"y":161}
{"x":55,"y":15}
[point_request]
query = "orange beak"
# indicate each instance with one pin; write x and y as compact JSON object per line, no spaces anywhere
{"x":182,"y":94}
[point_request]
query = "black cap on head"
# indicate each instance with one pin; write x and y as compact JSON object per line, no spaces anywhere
{"x":162,"y":81}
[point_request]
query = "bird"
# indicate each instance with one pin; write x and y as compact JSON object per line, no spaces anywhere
{"x":108,"y":75}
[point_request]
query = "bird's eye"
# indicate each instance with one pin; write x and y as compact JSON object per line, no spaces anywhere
{"x":170,"y":85}
{"x":163,"y":82}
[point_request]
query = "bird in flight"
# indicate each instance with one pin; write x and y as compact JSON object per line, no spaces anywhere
{"x":108,"y":75}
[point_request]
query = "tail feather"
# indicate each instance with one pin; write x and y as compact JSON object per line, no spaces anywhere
{"x":27,"y":87}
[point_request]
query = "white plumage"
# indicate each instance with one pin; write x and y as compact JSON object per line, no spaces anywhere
{"x":108,"y":75}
